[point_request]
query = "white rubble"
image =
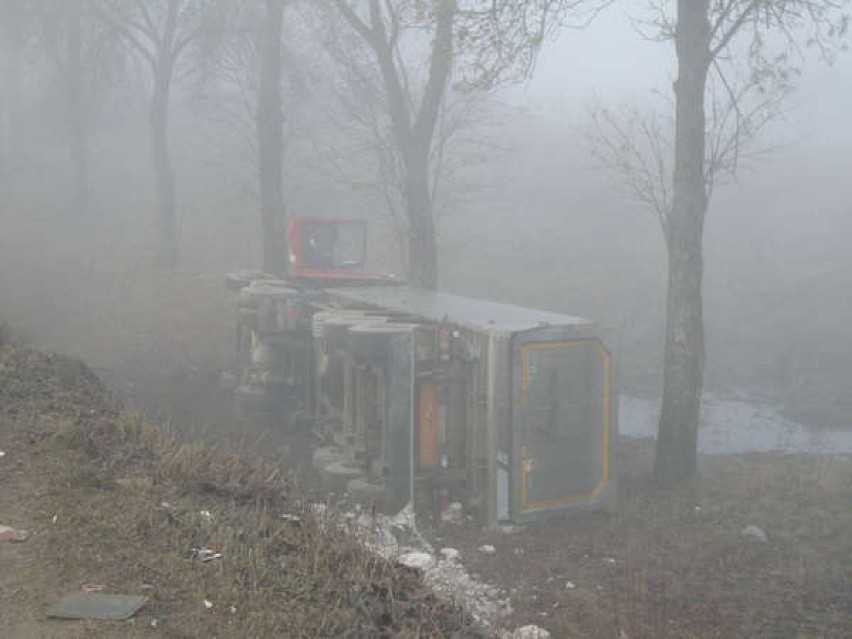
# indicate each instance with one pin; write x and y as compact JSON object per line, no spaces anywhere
{"x":454,"y":513}
{"x":450,"y":553}
{"x":397,"y":538}
{"x":530,"y":632}
{"x":416,"y":559}
{"x":756,"y":532}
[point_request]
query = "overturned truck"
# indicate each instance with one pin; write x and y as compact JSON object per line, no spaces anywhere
{"x":430,"y":399}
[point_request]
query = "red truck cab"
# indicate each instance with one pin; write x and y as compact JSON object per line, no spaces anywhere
{"x":329,"y":252}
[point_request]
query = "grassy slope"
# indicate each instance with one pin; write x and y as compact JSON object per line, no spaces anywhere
{"x":113,"y":501}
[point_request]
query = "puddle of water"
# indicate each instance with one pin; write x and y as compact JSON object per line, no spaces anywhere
{"x":737,"y":425}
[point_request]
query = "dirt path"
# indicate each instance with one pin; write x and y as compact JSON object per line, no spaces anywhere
{"x":23,"y":601}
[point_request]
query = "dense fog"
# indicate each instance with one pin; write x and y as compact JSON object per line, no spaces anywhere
{"x":525,"y":213}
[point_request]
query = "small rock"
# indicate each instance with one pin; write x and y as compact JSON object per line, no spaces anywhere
{"x":208,"y":604}
{"x":155,"y":623}
{"x":419,"y":560}
{"x":570,"y":585}
{"x":530,"y":632}
{"x":453,"y":514}
{"x":450,"y":553}
{"x":317,"y":508}
{"x":2,"y":453}
{"x":487,"y":549}
{"x":13,"y":535}
{"x":756,"y":532}
{"x":205,"y":554}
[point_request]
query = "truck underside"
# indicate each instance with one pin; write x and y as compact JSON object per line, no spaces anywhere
{"x":432,"y":399}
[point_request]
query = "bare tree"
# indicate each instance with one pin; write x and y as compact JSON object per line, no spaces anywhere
{"x":270,"y":141}
{"x":258,"y":73}
{"x":161,"y":33}
{"x":489,"y":41}
{"x":14,"y":29}
{"x":734,"y":70}
{"x":86,"y":59}
{"x":363,"y":153}
{"x":413,"y":121}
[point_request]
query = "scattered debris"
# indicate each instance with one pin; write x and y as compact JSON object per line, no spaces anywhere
{"x":208,"y":604}
{"x":415,"y":559}
{"x":87,"y":605}
{"x":155,"y":623}
{"x":530,"y":632}
{"x":450,"y":554}
{"x":206,"y":515}
{"x":293,"y":519}
{"x":518,"y":551}
{"x":13,"y":535}
{"x":487,"y":549}
{"x":454,"y":513}
{"x":509,"y":529}
{"x":756,"y":532}
{"x":608,"y":560}
{"x":232,"y":609}
{"x":570,"y":585}
{"x":205,"y":554}
{"x":446,"y":577}
{"x":92,"y":587}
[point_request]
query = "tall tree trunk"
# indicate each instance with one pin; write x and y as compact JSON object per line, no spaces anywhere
{"x":270,"y":143}
{"x":677,"y":445}
{"x":12,"y":145}
{"x":422,"y":248}
{"x":78,"y":125}
{"x":168,"y":254}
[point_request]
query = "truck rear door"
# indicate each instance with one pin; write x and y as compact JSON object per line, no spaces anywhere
{"x":563,"y":424}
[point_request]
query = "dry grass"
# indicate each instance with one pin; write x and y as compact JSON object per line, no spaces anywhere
{"x":116,"y":501}
{"x":676,"y":565}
